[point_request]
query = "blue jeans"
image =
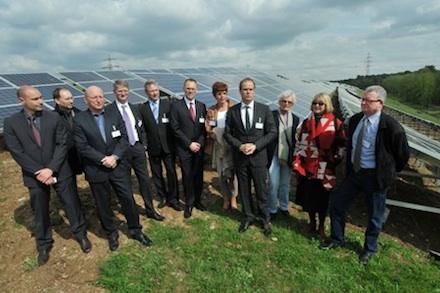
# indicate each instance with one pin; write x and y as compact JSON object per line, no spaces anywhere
{"x":351,"y":186}
{"x":279,"y":185}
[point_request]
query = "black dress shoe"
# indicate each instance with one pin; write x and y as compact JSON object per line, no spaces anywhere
{"x":365,"y":257}
{"x":188,"y":212}
{"x":267,"y":230}
{"x":113,"y":243}
{"x":43,"y":256}
{"x":175,"y":206}
{"x":85,"y":244}
{"x":199,"y":206}
{"x":244,"y":226}
{"x":142,"y":238}
{"x":155,"y":216}
{"x":330,"y":245}
{"x":285,"y":213}
{"x":162,"y":202}
{"x":273,"y":216}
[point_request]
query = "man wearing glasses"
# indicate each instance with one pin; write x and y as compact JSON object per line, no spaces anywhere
{"x":377,"y":150}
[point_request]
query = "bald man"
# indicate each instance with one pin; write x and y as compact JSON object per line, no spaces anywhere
{"x":37,"y":140}
{"x":101,"y":139}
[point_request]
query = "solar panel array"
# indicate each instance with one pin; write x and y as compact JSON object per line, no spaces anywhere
{"x":268,"y":87}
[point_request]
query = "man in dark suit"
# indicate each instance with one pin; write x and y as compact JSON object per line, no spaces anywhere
{"x":64,"y":107}
{"x":187,"y":121}
{"x":37,"y":141}
{"x":101,"y":139}
{"x":136,"y":153}
{"x":249,"y":129}
{"x":161,"y":145}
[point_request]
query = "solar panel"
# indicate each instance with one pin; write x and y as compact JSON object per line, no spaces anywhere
{"x":114,"y":75}
{"x":135,"y":84}
{"x":173,"y":83}
{"x":82,"y":76}
{"x":206,"y":97}
{"x":31,"y":78}
{"x":8,"y":96}
{"x":160,"y":71}
{"x":106,"y":86}
{"x":4,"y":84}
{"x":205,"y":81}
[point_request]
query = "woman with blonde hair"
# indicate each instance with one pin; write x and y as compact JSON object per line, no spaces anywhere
{"x":319,"y":149}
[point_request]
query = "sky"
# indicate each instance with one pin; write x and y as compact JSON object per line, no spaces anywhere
{"x":302,"y":39}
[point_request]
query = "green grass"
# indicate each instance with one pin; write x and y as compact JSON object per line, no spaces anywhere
{"x":30,"y":264}
{"x":209,"y":255}
{"x":432,"y":114}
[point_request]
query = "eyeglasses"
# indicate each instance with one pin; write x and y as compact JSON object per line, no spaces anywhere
{"x":318,"y":103}
{"x":287,"y":102}
{"x":369,"y":101}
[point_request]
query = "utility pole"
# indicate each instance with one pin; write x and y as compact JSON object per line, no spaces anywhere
{"x":368,"y":63}
{"x":110,"y":65}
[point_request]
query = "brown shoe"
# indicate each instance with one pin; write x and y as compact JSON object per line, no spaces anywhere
{"x":310,"y":228}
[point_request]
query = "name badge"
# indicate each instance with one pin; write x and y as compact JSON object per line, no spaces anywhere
{"x":259,"y":125}
{"x":139,"y":123}
{"x":212,"y":123}
{"x":116,"y":133}
{"x":165,"y":120}
{"x":201,"y":120}
{"x":366,"y":143}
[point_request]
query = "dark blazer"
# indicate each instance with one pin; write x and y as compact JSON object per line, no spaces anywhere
{"x":273,"y":145}
{"x":73,"y":157}
{"x":138,"y":121}
{"x":31,"y":157}
{"x":159,"y":135}
{"x":236,"y":135}
{"x":392,"y":150}
{"x":93,"y":148}
{"x":184,"y":129}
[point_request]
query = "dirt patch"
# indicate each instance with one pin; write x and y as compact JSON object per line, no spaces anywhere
{"x":70,"y":270}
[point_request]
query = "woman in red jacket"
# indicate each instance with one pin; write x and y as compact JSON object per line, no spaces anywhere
{"x":319,"y":149}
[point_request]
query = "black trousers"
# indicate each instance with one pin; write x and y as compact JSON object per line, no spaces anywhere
{"x":192,"y":178}
{"x":138,"y":161}
{"x":170,"y":191}
{"x":123,"y":190}
{"x":40,"y":198}
{"x":258,"y":175}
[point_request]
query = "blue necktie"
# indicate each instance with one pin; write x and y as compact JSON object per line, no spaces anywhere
{"x":155,"y":111}
{"x":100,"y":121}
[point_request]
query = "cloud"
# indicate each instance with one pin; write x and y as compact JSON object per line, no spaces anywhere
{"x":315,"y":39}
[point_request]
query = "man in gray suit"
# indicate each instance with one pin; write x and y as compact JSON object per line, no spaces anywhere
{"x":101,"y":139}
{"x":250,"y":127}
{"x":37,"y":140}
{"x":136,"y":153}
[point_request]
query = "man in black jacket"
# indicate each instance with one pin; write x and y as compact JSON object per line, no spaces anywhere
{"x":377,"y":150}
{"x":64,"y":107}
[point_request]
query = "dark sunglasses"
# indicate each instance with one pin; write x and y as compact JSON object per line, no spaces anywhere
{"x":318,"y":103}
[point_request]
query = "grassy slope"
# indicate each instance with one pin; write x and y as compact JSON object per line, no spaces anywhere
{"x":209,"y":255}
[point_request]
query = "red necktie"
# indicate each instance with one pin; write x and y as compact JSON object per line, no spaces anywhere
{"x":35,"y":130}
{"x":192,"y":112}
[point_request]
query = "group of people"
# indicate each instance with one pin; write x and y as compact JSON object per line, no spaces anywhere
{"x":252,"y":149}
